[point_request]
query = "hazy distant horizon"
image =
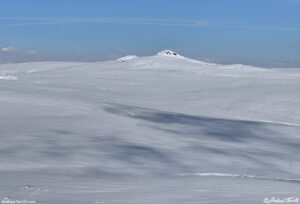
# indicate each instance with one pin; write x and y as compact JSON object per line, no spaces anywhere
{"x":35,"y":56}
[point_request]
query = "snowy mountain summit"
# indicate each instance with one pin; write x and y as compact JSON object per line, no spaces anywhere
{"x":161,"y":53}
{"x":168,"y":53}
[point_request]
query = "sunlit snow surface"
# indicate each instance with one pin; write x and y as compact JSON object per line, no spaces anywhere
{"x":160,"y":129}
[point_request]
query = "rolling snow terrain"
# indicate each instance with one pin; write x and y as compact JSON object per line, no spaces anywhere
{"x":160,"y":129}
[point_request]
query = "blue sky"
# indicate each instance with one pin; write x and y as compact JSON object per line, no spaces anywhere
{"x":241,"y":31}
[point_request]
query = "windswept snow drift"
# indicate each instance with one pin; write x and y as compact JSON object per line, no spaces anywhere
{"x":148,"y":130}
{"x":127,"y":57}
{"x":8,"y":77}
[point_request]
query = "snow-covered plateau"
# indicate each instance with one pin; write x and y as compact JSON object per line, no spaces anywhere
{"x":163,"y":129}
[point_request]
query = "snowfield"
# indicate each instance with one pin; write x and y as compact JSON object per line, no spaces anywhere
{"x":158,"y":129}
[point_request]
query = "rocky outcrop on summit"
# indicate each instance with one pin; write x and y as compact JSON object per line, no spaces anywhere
{"x":168,"y":52}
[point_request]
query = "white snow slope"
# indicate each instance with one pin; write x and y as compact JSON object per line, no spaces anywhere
{"x":159,"y":129}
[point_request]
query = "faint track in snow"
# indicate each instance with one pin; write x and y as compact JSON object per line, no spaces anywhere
{"x":243,"y":176}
